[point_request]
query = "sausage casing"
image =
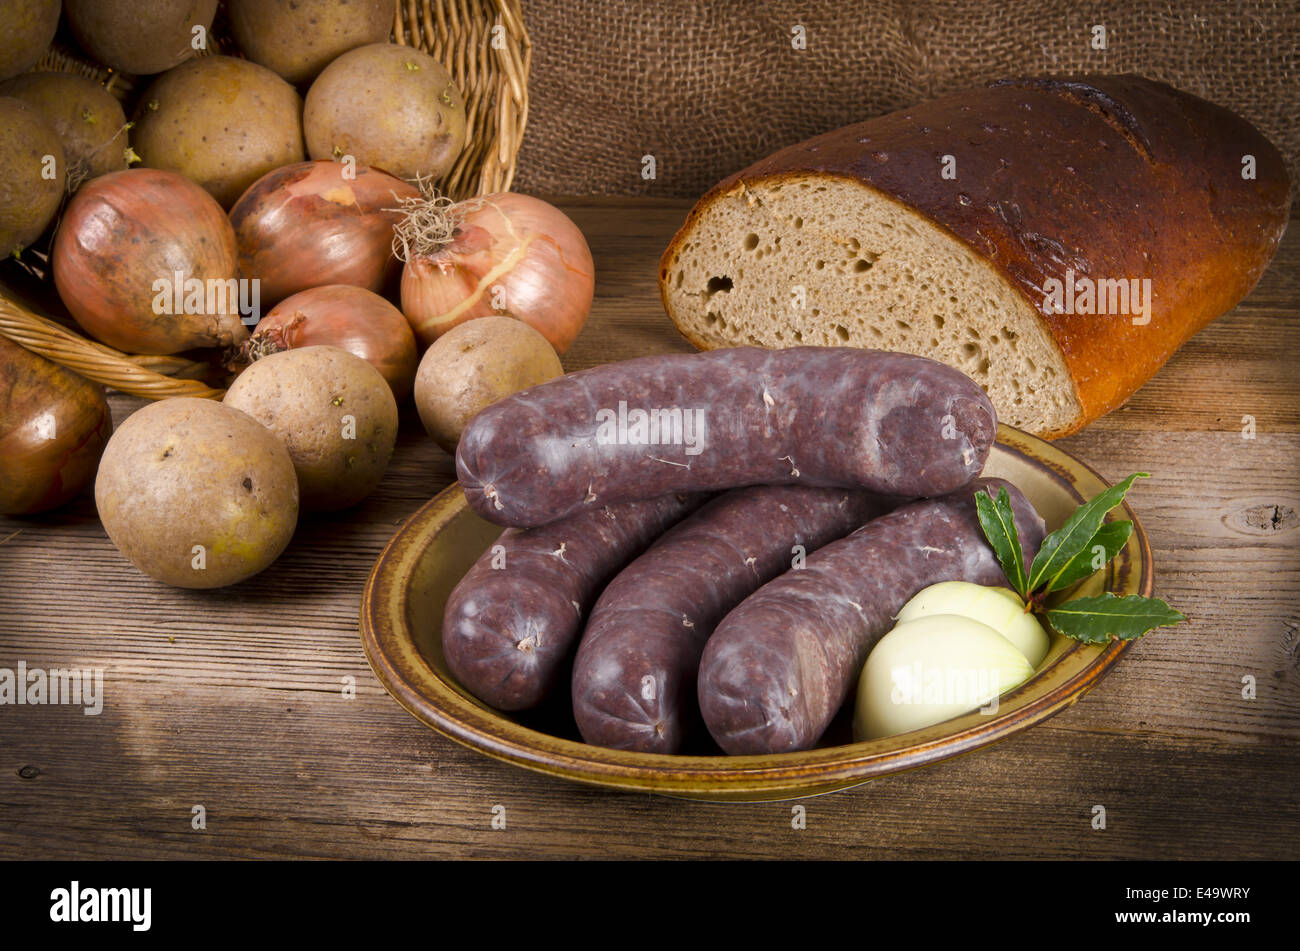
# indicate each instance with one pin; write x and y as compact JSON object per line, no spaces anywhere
{"x":779,"y":666}
{"x":634,"y":676}
{"x":891,"y":423}
{"x":511,"y":622}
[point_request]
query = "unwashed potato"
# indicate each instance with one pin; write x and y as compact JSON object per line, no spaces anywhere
{"x":89,"y":121}
{"x":35,"y":173}
{"x":333,"y":411}
{"x":197,"y":494}
{"x":26,"y":29}
{"x":472,"y":366}
{"x":391,"y":107}
{"x":298,"y":38}
{"x":141,"y":38}
{"x":221,"y":122}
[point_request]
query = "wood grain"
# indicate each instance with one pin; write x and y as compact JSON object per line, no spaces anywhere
{"x":235,"y":699}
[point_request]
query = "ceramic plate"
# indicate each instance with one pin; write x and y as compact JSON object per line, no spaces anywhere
{"x":401,"y":612}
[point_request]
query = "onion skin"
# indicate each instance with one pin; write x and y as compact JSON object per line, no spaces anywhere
{"x":527,"y":248}
{"x":340,"y":315}
{"x":54,"y":425}
{"x":122,"y":232}
{"x":305,"y":225}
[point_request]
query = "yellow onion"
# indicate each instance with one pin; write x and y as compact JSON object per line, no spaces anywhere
{"x":505,"y":253}
{"x":54,"y":425}
{"x":339,"y":315}
{"x":317,"y":223}
{"x":145,"y":261}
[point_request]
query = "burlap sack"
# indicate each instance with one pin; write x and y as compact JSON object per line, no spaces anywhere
{"x":707,"y":86}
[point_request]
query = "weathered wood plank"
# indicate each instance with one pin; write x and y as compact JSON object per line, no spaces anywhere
{"x":233,"y":699}
{"x":276,"y":780}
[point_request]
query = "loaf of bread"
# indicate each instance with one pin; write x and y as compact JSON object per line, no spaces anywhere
{"x":1056,"y":240}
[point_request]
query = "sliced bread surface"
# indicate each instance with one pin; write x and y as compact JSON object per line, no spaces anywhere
{"x":942,"y":229}
{"x":807,"y":259}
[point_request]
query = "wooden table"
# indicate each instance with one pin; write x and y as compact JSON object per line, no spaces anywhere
{"x":234,"y":700}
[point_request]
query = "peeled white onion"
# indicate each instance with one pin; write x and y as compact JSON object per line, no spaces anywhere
{"x":932,"y":669}
{"x":505,"y":254}
{"x":999,"y":608}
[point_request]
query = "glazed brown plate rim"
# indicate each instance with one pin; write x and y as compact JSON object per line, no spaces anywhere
{"x":449,"y":711}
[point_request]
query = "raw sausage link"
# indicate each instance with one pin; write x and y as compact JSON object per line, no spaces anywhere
{"x":634,"y":677}
{"x":891,"y":423}
{"x":511,"y":622}
{"x":779,"y":666}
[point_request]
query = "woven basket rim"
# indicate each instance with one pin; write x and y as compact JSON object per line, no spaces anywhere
{"x":481,"y":39}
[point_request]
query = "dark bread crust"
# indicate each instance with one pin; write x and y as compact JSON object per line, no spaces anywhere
{"x":1114,"y":177}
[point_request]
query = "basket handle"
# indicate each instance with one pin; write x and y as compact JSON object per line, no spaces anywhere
{"x":131,"y":375}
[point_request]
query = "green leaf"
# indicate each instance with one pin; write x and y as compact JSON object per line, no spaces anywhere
{"x":1096,"y":620}
{"x":1061,"y":546}
{"x":1110,"y":538}
{"x":999,"y":524}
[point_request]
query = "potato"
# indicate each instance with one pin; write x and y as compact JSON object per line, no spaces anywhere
{"x":221,"y":122}
{"x":296,"y":39}
{"x":333,"y":411}
{"x":121,"y":34}
{"x":35,"y":175}
{"x":392,"y":107}
{"x":89,"y":121}
{"x":26,"y":29}
{"x":197,"y":494}
{"x":474,"y":365}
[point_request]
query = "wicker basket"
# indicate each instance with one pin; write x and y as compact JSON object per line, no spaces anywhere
{"x":482,"y":43}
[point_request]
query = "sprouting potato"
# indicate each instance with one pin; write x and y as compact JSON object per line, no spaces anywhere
{"x":391,"y":107}
{"x":89,"y":121}
{"x":220,"y":121}
{"x":32,"y":185}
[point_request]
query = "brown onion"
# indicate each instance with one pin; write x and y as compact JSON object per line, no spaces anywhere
{"x":341,"y":315}
{"x":506,"y":254}
{"x":315,"y":223}
{"x":127,"y":240}
{"x":54,"y":425}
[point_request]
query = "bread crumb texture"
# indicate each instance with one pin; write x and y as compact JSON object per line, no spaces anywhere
{"x":807,"y":260}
